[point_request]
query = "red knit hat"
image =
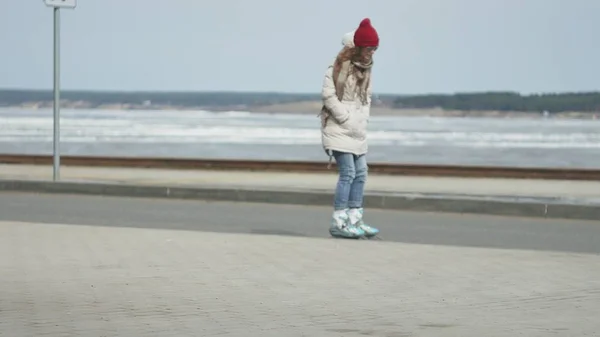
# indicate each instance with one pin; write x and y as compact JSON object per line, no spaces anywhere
{"x":366,"y":35}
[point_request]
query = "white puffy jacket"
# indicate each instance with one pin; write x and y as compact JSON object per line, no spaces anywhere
{"x":346,"y":128}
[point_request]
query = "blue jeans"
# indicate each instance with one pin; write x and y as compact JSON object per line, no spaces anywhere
{"x":350,"y":187}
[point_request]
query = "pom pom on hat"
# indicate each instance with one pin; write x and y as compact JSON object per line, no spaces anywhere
{"x":366,"y":35}
{"x":348,"y":39}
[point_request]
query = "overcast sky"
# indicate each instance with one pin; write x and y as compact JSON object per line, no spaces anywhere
{"x":426,"y":46}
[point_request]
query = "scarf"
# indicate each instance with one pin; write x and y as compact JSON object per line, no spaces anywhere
{"x":343,"y":67}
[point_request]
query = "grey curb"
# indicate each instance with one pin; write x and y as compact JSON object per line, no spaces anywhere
{"x":494,"y":205}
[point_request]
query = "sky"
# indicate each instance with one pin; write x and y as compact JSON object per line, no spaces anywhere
{"x":426,"y":46}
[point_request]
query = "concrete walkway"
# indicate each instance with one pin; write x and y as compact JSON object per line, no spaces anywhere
{"x":532,"y":198}
{"x":70,"y":280}
{"x":312,"y":181}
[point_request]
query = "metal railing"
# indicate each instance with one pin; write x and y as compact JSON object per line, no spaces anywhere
{"x":308,"y":167}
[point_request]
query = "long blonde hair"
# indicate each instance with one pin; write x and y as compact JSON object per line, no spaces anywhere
{"x":357,"y":67}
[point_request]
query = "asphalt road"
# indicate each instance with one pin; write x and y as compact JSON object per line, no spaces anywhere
{"x":409,"y":227}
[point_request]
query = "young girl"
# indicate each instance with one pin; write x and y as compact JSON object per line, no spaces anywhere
{"x":346,"y":97}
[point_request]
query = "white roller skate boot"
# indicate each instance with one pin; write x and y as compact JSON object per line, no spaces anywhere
{"x":341,"y":227}
{"x":356,"y":219}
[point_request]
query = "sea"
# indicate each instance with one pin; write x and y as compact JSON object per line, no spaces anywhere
{"x":541,"y":142}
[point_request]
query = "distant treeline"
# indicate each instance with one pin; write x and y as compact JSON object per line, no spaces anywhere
{"x":486,"y":101}
{"x":186,"y":99}
{"x":505,"y":101}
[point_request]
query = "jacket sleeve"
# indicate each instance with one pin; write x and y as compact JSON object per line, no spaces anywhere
{"x":330,"y":99}
{"x":370,"y":94}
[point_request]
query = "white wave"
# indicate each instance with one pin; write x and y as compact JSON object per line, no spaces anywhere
{"x":106,"y":126}
{"x":529,"y":145}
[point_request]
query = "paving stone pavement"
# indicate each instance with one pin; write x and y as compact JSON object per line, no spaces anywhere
{"x":69,"y":280}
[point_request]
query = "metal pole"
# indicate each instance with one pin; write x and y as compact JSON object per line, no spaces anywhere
{"x":56,"y":94}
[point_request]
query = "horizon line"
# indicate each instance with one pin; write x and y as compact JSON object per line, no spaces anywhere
{"x":64,"y":90}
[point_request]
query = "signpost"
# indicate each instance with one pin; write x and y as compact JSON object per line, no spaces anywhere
{"x":57,"y":5}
